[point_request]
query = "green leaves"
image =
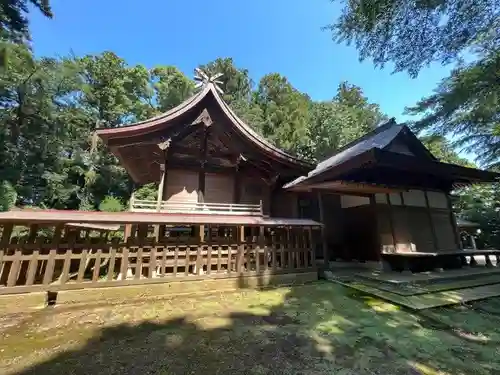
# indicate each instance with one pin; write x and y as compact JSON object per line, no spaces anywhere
{"x":111,"y":204}
{"x":49,"y":109}
{"x":237,"y":83}
{"x":112,"y":91}
{"x":171,"y":87}
{"x":13,"y":17}
{"x":336,"y":123}
{"x":285,"y":112}
{"x":413,"y":33}
{"x":466,"y":106}
{"x":8,"y":196}
{"x":481,"y":204}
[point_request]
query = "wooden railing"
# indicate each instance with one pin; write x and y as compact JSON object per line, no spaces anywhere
{"x":144,"y":205}
{"x":75,"y":259}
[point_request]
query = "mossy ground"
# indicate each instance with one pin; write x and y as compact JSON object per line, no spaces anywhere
{"x":319,"y":328}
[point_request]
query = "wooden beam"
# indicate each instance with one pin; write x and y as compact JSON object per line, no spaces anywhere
{"x":349,"y":186}
{"x":236,"y":146}
{"x":183,"y":150}
{"x":237,"y":184}
{"x":201,"y":172}
{"x":174,"y":132}
{"x":203,"y":118}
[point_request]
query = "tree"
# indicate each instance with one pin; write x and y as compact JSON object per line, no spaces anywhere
{"x":171,"y":87}
{"x":147,"y":192}
{"x":285,"y":113}
{"x":111,"y":204}
{"x":347,"y":117}
{"x":35,"y":102}
{"x":237,"y":85}
{"x":8,"y":196}
{"x":466,"y":105}
{"x":481,"y":204}
{"x":443,"y":151}
{"x":112,"y":92}
{"x":414,"y":33}
{"x":237,"y":88}
{"x":13,"y":17}
{"x":363,"y":115}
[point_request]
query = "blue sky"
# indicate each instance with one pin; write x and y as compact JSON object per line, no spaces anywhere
{"x":262,"y":36}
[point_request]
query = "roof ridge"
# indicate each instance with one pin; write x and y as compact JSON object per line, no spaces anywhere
{"x":378,"y":129}
{"x":167,"y":113}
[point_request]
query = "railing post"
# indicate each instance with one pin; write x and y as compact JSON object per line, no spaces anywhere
{"x":261,"y":208}
{"x":131,"y":203}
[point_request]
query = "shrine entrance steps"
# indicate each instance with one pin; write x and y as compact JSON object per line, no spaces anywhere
{"x":422,"y":290}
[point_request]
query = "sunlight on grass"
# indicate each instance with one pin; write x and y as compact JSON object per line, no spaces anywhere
{"x":380,"y":306}
{"x":321,"y":328}
{"x":425,"y":370}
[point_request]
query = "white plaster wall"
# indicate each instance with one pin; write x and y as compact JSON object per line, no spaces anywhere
{"x":353,"y":201}
{"x":437,"y":199}
{"x":414,"y":198}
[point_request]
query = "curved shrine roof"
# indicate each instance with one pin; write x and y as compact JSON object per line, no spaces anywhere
{"x":183,"y":116}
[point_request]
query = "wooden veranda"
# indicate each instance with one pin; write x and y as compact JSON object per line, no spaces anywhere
{"x":39,"y":251}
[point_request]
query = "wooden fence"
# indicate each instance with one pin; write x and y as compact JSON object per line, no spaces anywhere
{"x":74,"y":258}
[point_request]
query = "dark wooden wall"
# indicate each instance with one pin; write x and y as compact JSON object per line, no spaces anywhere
{"x":405,"y":228}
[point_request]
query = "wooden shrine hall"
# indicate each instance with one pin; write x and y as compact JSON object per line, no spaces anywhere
{"x":220,"y":211}
{"x":232,"y":206}
{"x":385,"y":198}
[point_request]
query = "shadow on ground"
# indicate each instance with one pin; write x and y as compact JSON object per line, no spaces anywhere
{"x":321,"y":328}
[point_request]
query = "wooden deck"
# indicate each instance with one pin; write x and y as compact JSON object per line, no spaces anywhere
{"x":423,"y":261}
{"x":424,"y":290}
{"x":398,"y":278}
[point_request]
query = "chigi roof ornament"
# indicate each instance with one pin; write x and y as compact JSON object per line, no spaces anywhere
{"x":204,"y":79}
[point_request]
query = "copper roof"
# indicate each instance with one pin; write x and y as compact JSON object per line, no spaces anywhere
{"x":374,"y":149}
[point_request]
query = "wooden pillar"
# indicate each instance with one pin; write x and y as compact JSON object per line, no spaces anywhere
{"x":237,"y":184}
{"x":473,"y":243}
{"x":326,"y":253}
{"x":433,"y":228}
{"x":200,"y":229}
{"x":4,"y":245}
{"x":453,"y":221}
{"x":161,"y":187}
{"x":158,"y":228}
{"x":391,"y":222}
{"x":373,"y":206}
{"x":127,"y":232}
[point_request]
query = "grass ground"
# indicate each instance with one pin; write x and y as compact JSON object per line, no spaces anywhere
{"x":321,"y":328}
